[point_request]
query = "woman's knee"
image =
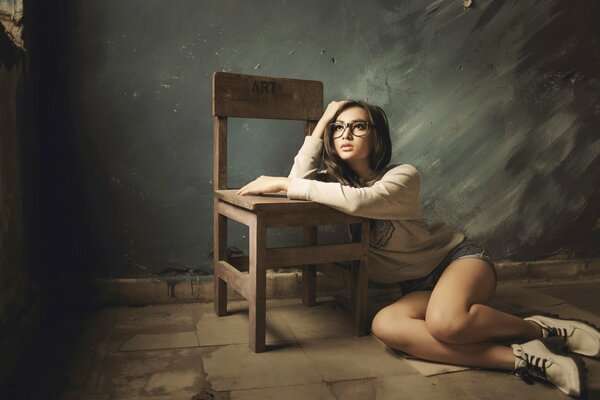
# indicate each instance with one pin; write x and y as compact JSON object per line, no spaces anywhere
{"x":392,"y":324}
{"x":381,"y":323}
{"x":390,"y":329}
{"x":447,"y":326}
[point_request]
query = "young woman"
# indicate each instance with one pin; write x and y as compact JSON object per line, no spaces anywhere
{"x":445,"y":279}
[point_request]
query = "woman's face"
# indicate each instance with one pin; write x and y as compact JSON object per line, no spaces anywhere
{"x":350,"y":147}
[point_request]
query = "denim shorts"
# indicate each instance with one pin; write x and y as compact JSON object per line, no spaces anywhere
{"x":466,"y":249}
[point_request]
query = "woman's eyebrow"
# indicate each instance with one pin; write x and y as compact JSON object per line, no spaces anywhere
{"x":354,"y":120}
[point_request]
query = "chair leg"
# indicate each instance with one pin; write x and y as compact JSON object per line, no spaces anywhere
{"x":359,"y":297}
{"x":219,"y":253}
{"x":360,"y":284}
{"x":220,"y":296}
{"x":257,"y":286}
{"x":309,"y":272}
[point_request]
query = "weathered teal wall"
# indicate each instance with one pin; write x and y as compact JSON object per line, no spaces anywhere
{"x":498,"y":106}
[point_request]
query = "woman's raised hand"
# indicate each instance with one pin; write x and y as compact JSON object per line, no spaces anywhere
{"x":327,"y":117}
{"x":332,"y":108}
{"x":265,"y":184}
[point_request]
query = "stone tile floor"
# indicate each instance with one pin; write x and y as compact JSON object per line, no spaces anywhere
{"x":183,"y":351}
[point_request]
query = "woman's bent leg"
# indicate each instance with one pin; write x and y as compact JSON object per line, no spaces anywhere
{"x":456,"y":313}
{"x":401,"y":326}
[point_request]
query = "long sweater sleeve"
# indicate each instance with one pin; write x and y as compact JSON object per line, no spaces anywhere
{"x":395,"y":196}
{"x":308,"y":159}
{"x":402,"y":244}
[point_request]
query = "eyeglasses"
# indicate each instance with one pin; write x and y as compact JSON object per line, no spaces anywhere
{"x":357,"y":128}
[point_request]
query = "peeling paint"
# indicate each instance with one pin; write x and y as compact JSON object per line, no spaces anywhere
{"x":11,"y":17}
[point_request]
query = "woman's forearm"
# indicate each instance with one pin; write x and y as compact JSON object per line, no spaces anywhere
{"x":319,"y":130}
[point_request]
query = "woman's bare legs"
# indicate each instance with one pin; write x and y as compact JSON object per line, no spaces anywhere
{"x":402,"y":326}
{"x":456,"y":312}
{"x":450,"y":324}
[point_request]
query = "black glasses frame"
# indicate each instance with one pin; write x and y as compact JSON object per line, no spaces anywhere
{"x":333,"y":126}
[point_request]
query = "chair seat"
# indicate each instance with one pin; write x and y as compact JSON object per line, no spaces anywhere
{"x":274,"y":202}
{"x":281,"y":211}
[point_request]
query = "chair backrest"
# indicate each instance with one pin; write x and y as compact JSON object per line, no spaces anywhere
{"x":252,"y":96}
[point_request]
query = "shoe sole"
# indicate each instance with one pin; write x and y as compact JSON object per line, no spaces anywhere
{"x":582,"y":370}
{"x":590,"y":324}
{"x":558,"y":346}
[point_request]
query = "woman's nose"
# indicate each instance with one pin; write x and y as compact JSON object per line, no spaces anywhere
{"x":347,"y":134}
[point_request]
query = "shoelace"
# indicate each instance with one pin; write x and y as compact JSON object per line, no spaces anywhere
{"x":553,"y":331}
{"x":535,"y":367}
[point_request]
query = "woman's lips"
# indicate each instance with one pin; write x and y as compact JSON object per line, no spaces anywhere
{"x":347,"y":147}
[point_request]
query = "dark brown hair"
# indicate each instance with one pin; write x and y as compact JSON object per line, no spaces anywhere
{"x":338,"y":170}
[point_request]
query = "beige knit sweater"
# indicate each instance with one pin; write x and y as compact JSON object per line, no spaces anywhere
{"x":402,"y":244}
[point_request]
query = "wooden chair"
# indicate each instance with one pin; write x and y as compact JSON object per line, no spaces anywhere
{"x":248,"y":96}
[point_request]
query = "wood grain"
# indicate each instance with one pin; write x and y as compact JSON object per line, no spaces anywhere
{"x":257,"y":286}
{"x":219,"y":253}
{"x":252,"y":96}
{"x":220,"y":153}
{"x":239,"y":281}
{"x":309,"y":272}
{"x":301,"y":255}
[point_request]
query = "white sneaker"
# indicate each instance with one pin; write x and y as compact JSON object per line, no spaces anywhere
{"x":581,"y":337}
{"x":534,"y":359}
